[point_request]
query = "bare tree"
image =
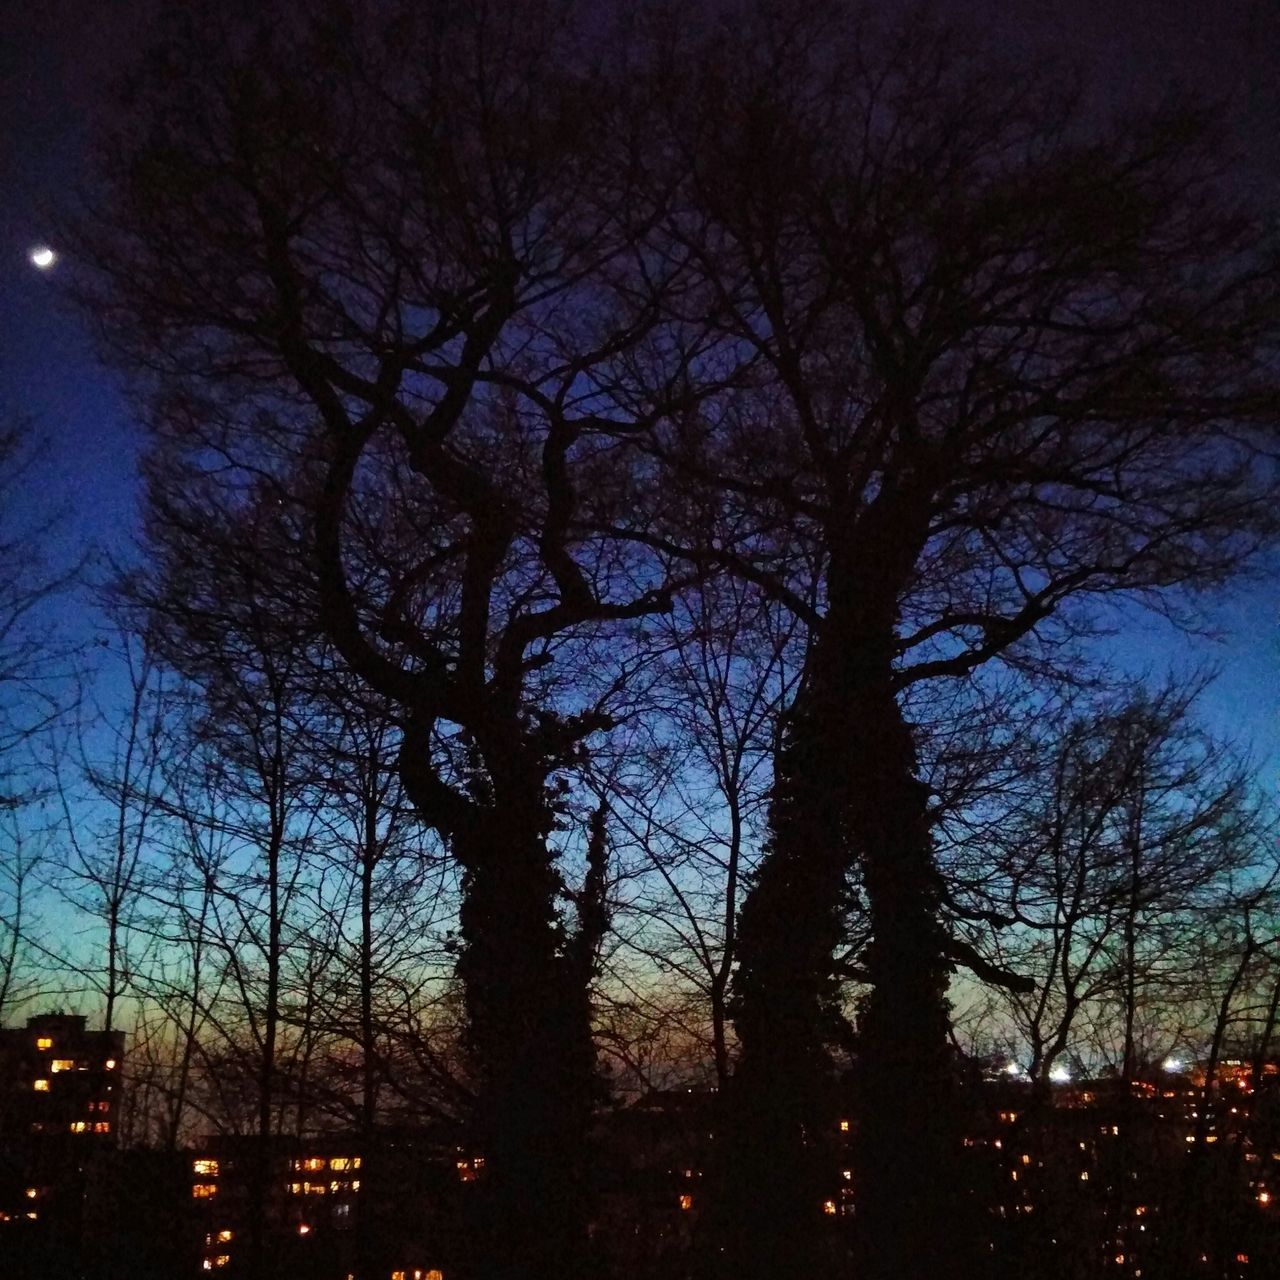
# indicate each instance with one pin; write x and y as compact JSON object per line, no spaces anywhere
{"x":1008,"y":362}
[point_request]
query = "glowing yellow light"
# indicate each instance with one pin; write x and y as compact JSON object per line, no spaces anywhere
{"x":78,"y":1126}
{"x":62,"y":1064}
{"x":205,"y":1166}
{"x":340,"y":1162}
{"x":44,"y":1042}
{"x":203,"y":1190}
{"x":686,"y":1202}
{"x":40,"y":1086}
{"x":1084,"y":1176}
{"x":222,"y":1259}
{"x":102,"y":1126}
{"x":1264,"y":1197}
{"x":303,"y":1229}
{"x":110,"y":1064}
{"x":32,"y":1192}
{"x":829,"y":1207}
{"x":844,"y":1126}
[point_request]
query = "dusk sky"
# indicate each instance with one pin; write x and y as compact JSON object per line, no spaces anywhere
{"x":58,"y":59}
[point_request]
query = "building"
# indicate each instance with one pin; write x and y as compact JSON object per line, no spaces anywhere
{"x":60,"y":1097}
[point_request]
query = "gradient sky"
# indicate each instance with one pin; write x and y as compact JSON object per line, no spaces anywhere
{"x":58,"y":59}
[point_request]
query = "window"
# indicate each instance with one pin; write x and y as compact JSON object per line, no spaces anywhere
{"x":40,"y":1086}
{"x":99,"y":1106}
{"x":829,"y":1207}
{"x":340,"y":1163}
{"x":102,"y":1126}
{"x":78,"y":1126}
{"x":686,"y":1202}
{"x":62,"y":1064}
{"x":313,"y":1163}
{"x":110,"y":1064}
{"x":44,"y":1042}
{"x":32,"y":1192}
{"x":397,"y":1275}
{"x":204,"y":1190}
{"x":844,"y":1126}
{"x":205,"y":1166}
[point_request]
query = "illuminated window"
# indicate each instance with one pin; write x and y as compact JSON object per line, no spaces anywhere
{"x":1026,"y":1159}
{"x":303,"y":1229}
{"x":110,"y":1064}
{"x":295,"y":1188}
{"x":102,"y":1126}
{"x":222,"y":1259}
{"x":397,"y":1275}
{"x":1084,"y":1176}
{"x":1242,"y":1257}
{"x":41,"y":1086}
{"x":340,"y":1163}
{"x":844,"y":1126}
{"x":205,"y":1166}
{"x":203,"y":1190}
{"x":32,"y":1192}
{"x":1264,"y":1197}
{"x":355,"y":1162}
{"x":313,"y":1164}
{"x":44,"y":1042}
{"x":829,"y":1207}
{"x":686,"y":1202}
{"x":62,"y":1064}
{"x":355,"y":1186}
{"x":78,"y":1126}
{"x":435,"y":1274}
{"x":847,"y":1174}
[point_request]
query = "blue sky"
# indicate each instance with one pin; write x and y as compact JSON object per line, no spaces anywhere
{"x":58,"y":58}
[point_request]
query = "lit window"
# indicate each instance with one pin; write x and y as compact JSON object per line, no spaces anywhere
{"x":205,"y":1166}
{"x":355,"y":1186}
{"x":435,"y":1274}
{"x":686,"y":1202}
{"x":32,"y":1192}
{"x":78,"y":1126}
{"x":44,"y":1042}
{"x":62,"y":1064}
{"x":313,"y":1163}
{"x":844,"y":1126}
{"x":295,"y":1188}
{"x":41,"y":1086}
{"x":303,"y":1229}
{"x":847,"y":1174}
{"x":203,"y":1190}
{"x":1264,"y":1197}
{"x":1242,"y":1257}
{"x":397,"y":1275}
{"x":355,"y":1162}
{"x":1026,"y":1159}
{"x":102,"y":1126}
{"x":1084,"y":1176}
{"x":829,"y":1207}
{"x":222,"y":1259}
{"x":110,"y":1064}
{"x":340,"y":1163}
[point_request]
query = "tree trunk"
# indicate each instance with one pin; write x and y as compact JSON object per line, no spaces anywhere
{"x":779,"y":1107}
{"x":846,"y":794}
{"x":530,"y":1038}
